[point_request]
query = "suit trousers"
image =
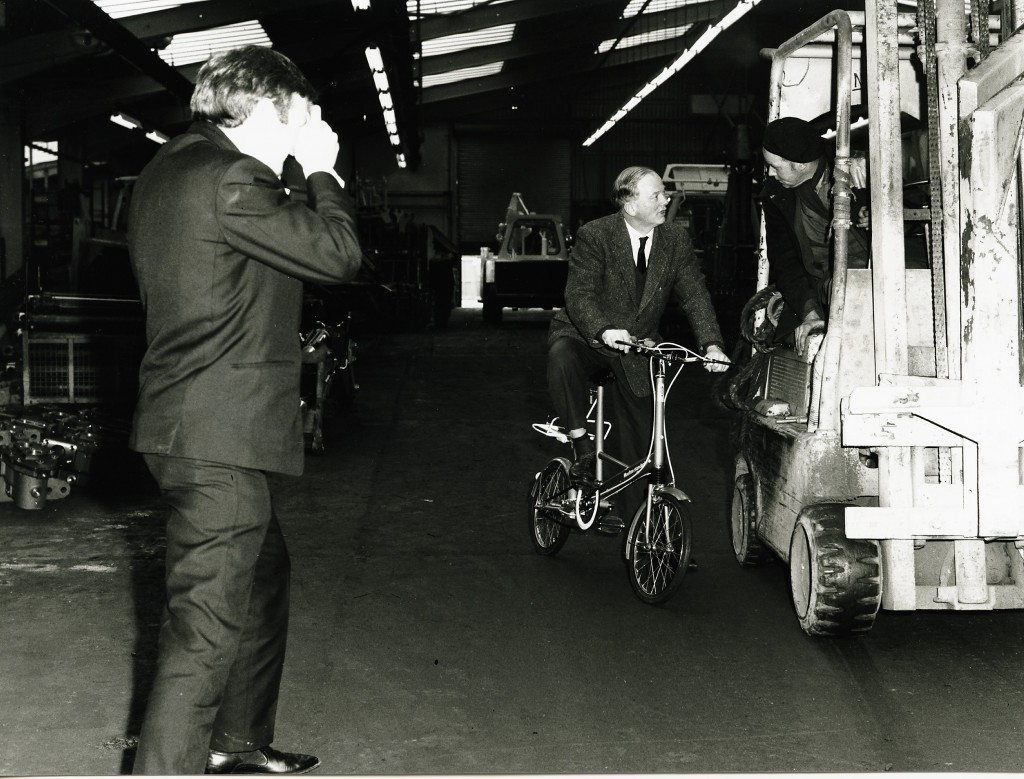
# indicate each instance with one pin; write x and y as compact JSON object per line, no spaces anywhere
{"x":571,"y":367}
{"x":225,"y":620}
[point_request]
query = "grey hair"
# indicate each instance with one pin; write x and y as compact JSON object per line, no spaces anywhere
{"x":624,"y":188}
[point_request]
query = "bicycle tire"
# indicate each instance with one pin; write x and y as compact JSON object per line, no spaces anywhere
{"x":658,"y":553}
{"x":548,"y":530}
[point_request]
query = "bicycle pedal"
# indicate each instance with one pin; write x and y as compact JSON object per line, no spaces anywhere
{"x":610,"y":525}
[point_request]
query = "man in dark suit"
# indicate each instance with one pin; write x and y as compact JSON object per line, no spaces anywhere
{"x":622,"y":272}
{"x":220,"y":253}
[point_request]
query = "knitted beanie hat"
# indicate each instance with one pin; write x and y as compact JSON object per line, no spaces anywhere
{"x":793,"y":139}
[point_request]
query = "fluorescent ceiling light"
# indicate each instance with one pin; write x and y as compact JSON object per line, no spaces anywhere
{"x":654,"y":6}
{"x":380,"y":80}
{"x":157,"y":137}
{"x":360,"y":5}
{"x":489,"y":36}
{"x":654,"y":36}
{"x":374,"y":60}
{"x":199,"y":46}
{"x":118,"y":9}
{"x":828,"y":135}
{"x":126,"y":121}
{"x":738,"y":12}
{"x":460,"y":75}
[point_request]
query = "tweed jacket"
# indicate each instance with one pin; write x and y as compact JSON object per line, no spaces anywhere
{"x":220,"y":254}
{"x":600,"y":292}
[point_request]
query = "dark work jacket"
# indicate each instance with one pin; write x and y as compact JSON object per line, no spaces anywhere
{"x":220,"y":254}
{"x":601,"y":291}
{"x":793,"y":271}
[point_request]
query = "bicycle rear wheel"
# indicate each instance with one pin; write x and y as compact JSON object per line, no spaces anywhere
{"x":658,"y":551}
{"x":547,"y":524}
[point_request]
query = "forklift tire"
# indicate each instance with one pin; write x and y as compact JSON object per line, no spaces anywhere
{"x":836,"y":582}
{"x":492,"y":308}
{"x":746,"y":545}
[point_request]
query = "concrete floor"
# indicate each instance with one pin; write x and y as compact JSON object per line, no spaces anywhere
{"x":428,"y":638}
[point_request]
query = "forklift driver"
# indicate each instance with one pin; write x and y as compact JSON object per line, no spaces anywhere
{"x":797,"y":205}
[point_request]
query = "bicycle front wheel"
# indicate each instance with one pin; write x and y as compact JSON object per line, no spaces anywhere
{"x":550,"y":491}
{"x":658,"y":549}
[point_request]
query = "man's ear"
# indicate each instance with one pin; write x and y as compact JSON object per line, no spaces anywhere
{"x":264,"y":110}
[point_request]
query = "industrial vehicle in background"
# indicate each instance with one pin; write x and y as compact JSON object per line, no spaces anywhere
{"x":531,"y":265}
{"x":885,"y":467}
{"x":714,"y":203}
{"x":697,"y":196}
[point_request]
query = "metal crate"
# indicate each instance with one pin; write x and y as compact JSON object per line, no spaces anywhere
{"x":79,"y":368}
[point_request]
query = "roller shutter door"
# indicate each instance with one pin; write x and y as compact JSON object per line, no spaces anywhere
{"x":491,"y":168}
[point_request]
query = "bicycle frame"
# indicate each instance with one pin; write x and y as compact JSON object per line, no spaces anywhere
{"x":656,"y":468}
{"x":659,"y":535}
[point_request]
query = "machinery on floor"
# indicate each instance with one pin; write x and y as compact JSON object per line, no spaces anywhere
{"x":885,"y":467}
{"x":531,"y":266}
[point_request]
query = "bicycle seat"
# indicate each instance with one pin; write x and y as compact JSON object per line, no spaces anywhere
{"x":602,"y":376}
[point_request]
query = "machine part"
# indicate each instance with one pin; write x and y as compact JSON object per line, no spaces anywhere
{"x":44,"y":453}
{"x":836,"y":582}
{"x":328,"y":353}
{"x":548,"y":525}
{"x":743,"y":523}
{"x":773,"y":408}
{"x":491,"y":306}
{"x":28,"y":470}
{"x":658,"y":547}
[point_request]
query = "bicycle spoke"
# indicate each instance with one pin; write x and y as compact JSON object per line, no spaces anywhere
{"x":547,"y":525}
{"x":659,"y":547}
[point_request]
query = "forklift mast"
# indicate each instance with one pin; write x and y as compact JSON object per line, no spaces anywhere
{"x":895,"y":469}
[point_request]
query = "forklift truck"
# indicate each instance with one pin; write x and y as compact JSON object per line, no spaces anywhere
{"x":884,"y":467}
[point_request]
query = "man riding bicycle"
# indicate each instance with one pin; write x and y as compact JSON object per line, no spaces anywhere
{"x":622,"y":272}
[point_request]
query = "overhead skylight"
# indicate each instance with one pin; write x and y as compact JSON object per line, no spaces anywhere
{"x":41,"y":152}
{"x":118,"y":9}
{"x":417,"y":8}
{"x":460,"y":75}
{"x":447,"y":44}
{"x":646,"y":37}
{"x":201,"y":45}
{"x":654,"y":6}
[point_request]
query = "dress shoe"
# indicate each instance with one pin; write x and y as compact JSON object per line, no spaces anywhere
{"x":582,"y":471}
{"x":265,"y":760}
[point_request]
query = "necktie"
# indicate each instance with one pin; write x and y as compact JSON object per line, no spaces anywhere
{"x":641,"y":256}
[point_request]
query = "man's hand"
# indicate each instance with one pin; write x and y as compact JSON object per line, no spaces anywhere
{"x":714,"y":353}
{"x":812,"y":323}
{"x":316,"y":146}
{"x":610,"y":337}
{"x":864,"y":218}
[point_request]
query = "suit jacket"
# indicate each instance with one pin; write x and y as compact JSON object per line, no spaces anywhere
{"x":220,"y":254}
{"x":600,"y":292}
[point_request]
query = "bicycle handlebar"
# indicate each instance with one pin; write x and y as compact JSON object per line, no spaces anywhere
{"x":669,"y":352}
